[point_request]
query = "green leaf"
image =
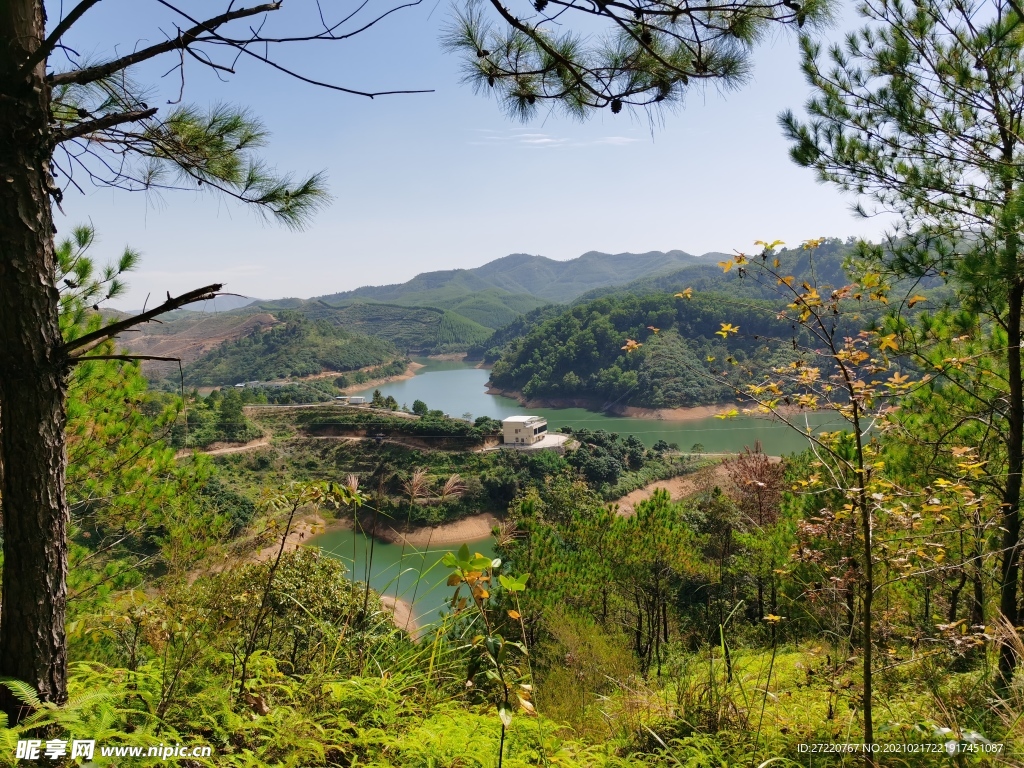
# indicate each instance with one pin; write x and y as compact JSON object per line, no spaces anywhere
{"x":23,"y":692}
{"x":480,"y":563}
{"x":493,"y":646}
{"x":464,"y":552}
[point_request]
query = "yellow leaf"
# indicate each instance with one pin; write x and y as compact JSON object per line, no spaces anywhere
{"x":788,"y":280}
{"x":888,"y":342}
{"x":652,"y":329}
{"x":727,"y":328}
{"x":725,"y":265}
{"x":916,"y":299}
{"x":631,"y":345}
{"x":728,"y":414}
{"x":513,"y":614}
{"x":527,"y":706}
{"x":685,"y":294}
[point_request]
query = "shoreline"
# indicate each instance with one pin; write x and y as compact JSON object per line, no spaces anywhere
{"x":410,"y":371}
{"x":402,"y":615}
{"x":683,"y":413}
{"x":456,"y":532}
{"x":305,"y":529}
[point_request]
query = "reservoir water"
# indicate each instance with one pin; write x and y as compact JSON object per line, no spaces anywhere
{"x":458,"y":388}
{"x":395,"y":569}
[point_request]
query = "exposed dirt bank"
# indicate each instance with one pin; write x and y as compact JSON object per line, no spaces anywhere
{"x":410,"y":371}
{"x":677,"y":487}
{"x":219,"y":449}
{"x":303,"y":529}
{"x":472,"y":528}
{"x":402,"y":614}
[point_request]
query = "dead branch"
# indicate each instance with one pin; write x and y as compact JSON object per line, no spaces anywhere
{"x":129,"y":358}
{"x":183,"y":40}
{"x":102,"y":123}
{"x":91,"y":340}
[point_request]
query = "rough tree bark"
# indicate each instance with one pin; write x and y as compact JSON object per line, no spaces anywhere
{"x":32,"y":376}
{"x":1015,"y":468}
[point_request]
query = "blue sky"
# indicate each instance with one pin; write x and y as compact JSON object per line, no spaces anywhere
{"x":444,"y":180}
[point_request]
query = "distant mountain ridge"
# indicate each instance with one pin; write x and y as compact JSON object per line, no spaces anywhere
{"x":445,"y":311}
{"x":521,"y":274}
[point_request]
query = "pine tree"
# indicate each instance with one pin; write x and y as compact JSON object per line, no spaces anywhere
{"x":921,"y":113}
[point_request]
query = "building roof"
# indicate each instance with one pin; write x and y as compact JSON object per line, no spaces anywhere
{"x":522,"y":419}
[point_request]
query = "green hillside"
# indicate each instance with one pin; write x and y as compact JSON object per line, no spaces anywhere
{"x":520,"y":276}
{"x":707,"y":275}
{"x":496,"y":344}
{"x":298,"y":347}
{"x":493,"y":308}
{"x":827,"y":265}
{"x":420,"y":330}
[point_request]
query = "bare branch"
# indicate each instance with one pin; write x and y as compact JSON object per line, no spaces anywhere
{"x":50,"y":43}
{"x":90,"y":340}
{"x":102,"y":123}
{"x":87,"y":358}
{"x":183,"y":40}
{"x":242,"y":47}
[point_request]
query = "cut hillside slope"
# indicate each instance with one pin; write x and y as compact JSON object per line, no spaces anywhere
{"x":420,"y":330}
{"x":297,"y":347}
{"x":190,"y":335}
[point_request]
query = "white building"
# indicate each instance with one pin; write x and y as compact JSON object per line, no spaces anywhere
{"x":524,"y":430}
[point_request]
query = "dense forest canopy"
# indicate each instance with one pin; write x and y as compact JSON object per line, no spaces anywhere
{"x":682,"y":362}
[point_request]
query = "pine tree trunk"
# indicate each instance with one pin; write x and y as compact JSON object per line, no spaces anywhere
{"x":32,"y":377}
{"x":1015,"y":465}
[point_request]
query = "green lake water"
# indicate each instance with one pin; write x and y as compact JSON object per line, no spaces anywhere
{"x":457,"y":388}
{"x":395,"y":569}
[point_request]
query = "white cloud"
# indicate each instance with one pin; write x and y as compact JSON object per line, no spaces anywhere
{"x":545,"y":140}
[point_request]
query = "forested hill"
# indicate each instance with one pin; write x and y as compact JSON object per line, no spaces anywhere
{"x":521,"y":275}
{"x":579,"y":353}
{"x":296,"y":347}
{"x":827,"y":266}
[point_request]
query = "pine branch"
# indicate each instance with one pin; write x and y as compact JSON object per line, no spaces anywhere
{"x":102,"y":123}
{"x":90,"y":340}
{"x":183,"y":40}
